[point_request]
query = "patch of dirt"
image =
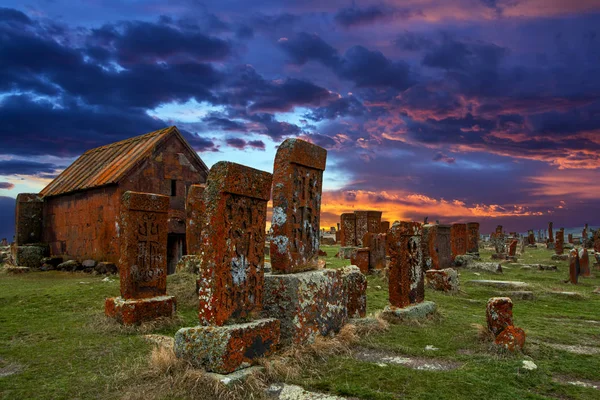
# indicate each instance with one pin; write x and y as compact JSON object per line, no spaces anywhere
{"x":8,"y":369}
{"x":420,"y":363}
{"x":586,"y":383}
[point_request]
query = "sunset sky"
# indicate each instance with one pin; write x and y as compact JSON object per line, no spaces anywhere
{"x":462,"y":110}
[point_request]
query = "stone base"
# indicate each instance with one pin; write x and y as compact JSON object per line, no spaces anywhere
{"x":228,"y":348}
{"x":30,"y":255}
{"x":560,"y":257}
{"x":135,"y":311}
{"x":517,"y":295}
{"x":346,"y":252}
{"x":16,"y":270}
{"x":415,"y":312}
{"x":306,"y":303}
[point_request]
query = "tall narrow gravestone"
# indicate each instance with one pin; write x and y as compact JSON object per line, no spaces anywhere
{"x":436,"y":247}
{"x":406,"y":272}
{"x":143,"y":229}
{"x":307,"y":300}
{"x":347,"y":230}
{"x":560,"y":241}
{"x":458,"y":237}
{"x":473,"y":237}
{"x":298,"y":177}
{"x":231,"y":273}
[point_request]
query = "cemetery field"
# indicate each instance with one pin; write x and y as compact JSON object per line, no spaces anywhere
{"x":56,"y":344}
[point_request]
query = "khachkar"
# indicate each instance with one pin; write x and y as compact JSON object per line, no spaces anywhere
{"x":307,"y":300}
{"x":298,"y":177}
{"x":231,"y":282}
{"x":550,"y":241}
{"x":406,"y":273}
{"x":436,"y":246}
{"x":473,"y":238}
{"x":560,"y":241}
{"x":143,"y":229}
{"x":458,"y":239}
{"x":27,"y":250}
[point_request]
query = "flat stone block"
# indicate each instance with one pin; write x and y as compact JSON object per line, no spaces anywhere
{"x":500,"y":284}
{"x":493,"y":267}
{"x":560,"y":257}
{"x":445,"y":280}
{"x":419,"y":311}
{"x":356,"y":287}
{"x":306,"y":303}
{"x":235,"y":377}
{"x":228,"y":348}
{"x":135,"y":311}
{"x":17,"y":270}
{"x":517,"y":295}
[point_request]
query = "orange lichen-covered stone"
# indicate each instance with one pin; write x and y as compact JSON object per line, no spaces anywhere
{"x":499,"y":314}
{"x":225,"y":349}
{"x":511,"y":338}
{"x":560,"y":241}
{"x":297,"y":187}
{"x":574,"y":265}
{"x":143,"y":241}
{"x":356,"y":287}
{"x":366,"y":221}
{"x":136,"y":311}
{"x":530,"y":237}
{"x":436,"y":246}
{"x":385,"y":226}
{"x":348,"y":230}
{"x":406,"y":274}
{"x":445,"y":280}
{"x":360,"y":258}
{"x":512,"y":247}
{"x":473,"y":237}
{"x":377,"y":249}
{"x":195,"y":211}
{"x":458,"y":239}
{"x":233,"y":239}
{"x":584,"y":262}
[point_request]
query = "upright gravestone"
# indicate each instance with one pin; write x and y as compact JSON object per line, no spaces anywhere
{"x":348,"y":230}
{"x":550,"y":234}
{"x":560,"y":241}
{"x":231,"y":284}
{"x":385,"y":226}
{"x":366,"y":222}
{"x":473,"y":237}
{"x":574,"y":267}
{"x":584,"y":262}
{"x":512,"y":248}
{"x":437,"y":253}
{"x":530,"y":237}
{"x":597,"y":240}
{"x":458,"y":238}
{"x":194,"y":208}
{"x":308,"y":301}
{"x":570,"y":238}
{"x":143,"y":229}
{"x":298,"y":174}
{"x":376,"y":243}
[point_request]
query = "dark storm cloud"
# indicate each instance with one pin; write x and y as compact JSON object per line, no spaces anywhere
{"x":411,"y":41}
{"x":452,"y":54}
{"x":343,"y":107}
{"x":440,"y":157}
{"x":7,"y":185}
{"x":276,"y":130}
{"x":24,"y":167}
{"x":366,"y":68}
{"x":12,"y":15}
{"x":242,"y":144}
{"x":349,"y":17}
{"x":224,"y":124}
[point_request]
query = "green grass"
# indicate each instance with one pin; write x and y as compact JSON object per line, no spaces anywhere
{"x":51,"y":326}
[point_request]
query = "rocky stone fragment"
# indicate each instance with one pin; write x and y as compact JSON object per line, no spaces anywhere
{"x":106,"y":268}
{"x":406,"y":273}
{"x":360,"y":258}
{"x":355,"y":283}
{"x":69,"y":266}
{"x":486,"y":266}
{"x":511,"y":338}
{"x":517,"y":285}
{"x":584,"y":263}
{"x":445,"y":280}
{"x":499,"y":314}
{"x":419,"y":311}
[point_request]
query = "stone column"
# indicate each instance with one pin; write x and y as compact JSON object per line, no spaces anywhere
{"x":473,"y":237}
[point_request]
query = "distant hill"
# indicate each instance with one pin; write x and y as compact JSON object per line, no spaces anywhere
{"x":7,"y":217}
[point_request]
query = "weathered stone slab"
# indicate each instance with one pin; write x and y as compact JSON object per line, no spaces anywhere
{"x":458,"y":239}
{"x":135,"y":311}
{"x":500,"y":284}
{"x":445,"y":280}
{"x":376,"y":242}
{"x":473,"y":237}
{"x":511,"y":338}
{"x":406,"y":273}
{"x":420,"y":311}
{"x":356,"y":288}
{"x":437,"y":252}
{"x":560,"y":241}
{"x":360,"y":258}
{"x":194,"y":208}
{"x":346,"y":252}
{"x":348,"y":230}
{"x":189,"y":264}
{"x":233,"y":237}
{"x":384,"y":227}
{"x":584,"y":262}
{"x":306,"y":303}
{"x":517,"y":294}
{"x":143,"y":230}
{"x":297,"y":186}
{"x":499,"y":314}
{"x":574,"y":267}
{"x":512,"y":248}
{"x":225,"y":349}
{"x":493,"y":267}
